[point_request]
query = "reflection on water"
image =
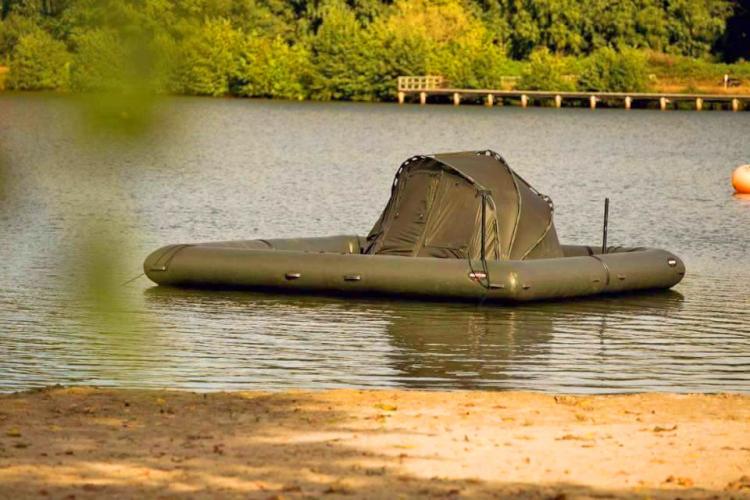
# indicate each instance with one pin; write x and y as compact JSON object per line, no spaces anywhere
{"x":571,"y":346}
{"x":616,"y":343}
{"x":235,"y":169}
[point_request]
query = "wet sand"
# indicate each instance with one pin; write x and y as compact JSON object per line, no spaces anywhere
{"x":88,"y":442}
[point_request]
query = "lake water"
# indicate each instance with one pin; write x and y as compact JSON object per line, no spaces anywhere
{"x":212,"y":169}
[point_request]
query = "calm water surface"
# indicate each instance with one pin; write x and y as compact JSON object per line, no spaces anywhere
{"x":240,"y":169}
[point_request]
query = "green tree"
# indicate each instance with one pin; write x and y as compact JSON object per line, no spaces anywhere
{"x":575,"y":27}
{"x":267,"y":18}
{"x":97,"y":61}
{"x":612,"y":71}
{"x":561,"y":24}
{"x":651,"y":27}
{"x":493,"y":16}
{"x":272,"y":68}
{"x":209,"y":60}
{"x":437,"y":37}
{"x":608,"y":24}
{"x":525,"y":34}
{"x":12,"y":28}
{"x":545,"y":71}
{"x":39,"y":62}
{"x":694,"y":26}
{"x":342,"y":54}
{"x":399,"y":50}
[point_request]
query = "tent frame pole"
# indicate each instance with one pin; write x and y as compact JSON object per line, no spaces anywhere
{"x":482,"y":250}
{"x":487,"y":283}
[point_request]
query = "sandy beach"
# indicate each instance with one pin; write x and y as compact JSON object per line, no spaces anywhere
{"x":86,"y":442}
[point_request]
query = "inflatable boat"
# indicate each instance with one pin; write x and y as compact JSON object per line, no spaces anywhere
{"x":458,"y":226}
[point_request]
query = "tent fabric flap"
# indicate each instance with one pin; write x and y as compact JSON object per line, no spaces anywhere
{"x":436,"y":205}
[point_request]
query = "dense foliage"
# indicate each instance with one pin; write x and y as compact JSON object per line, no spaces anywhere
{"x":39,"y":62}
{"x":547,"y":71}
{"x":353,"y":49}
{"x":610,"y":71}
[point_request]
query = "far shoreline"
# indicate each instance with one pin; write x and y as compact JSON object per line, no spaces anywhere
{"x":679,"y":103}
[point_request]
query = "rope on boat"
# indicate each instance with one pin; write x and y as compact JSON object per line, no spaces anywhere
{"x":132,"y":279}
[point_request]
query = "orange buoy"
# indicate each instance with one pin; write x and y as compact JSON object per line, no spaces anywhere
{"x":741,"y":179}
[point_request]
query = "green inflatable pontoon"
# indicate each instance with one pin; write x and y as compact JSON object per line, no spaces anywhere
{"x":458,"y":226}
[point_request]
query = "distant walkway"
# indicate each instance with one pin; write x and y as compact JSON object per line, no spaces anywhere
{"x":424,"y":87}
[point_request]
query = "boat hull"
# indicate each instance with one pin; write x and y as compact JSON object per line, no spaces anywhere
{"x":335,"y":265}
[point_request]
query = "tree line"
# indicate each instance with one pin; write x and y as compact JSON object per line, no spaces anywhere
{"x":353,"y":49}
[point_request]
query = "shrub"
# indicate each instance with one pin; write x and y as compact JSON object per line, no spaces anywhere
{"x":344,"y":57}
{"x":468,"y":63}
{"x":612,"y":71}
{"x":12,"y":28}
{"x":418,"y":37}
{"x":545,"y":71}
{"x":39,"y":62}
{"x":98,"y":60}
{"x":209,"y":60}
{"x":399,"y":52}
{"x":272,"y":68}
{"x":489,"y":65}
{"x":166,"y":60}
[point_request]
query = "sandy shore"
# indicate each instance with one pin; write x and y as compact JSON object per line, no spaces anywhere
{"x":378,"y":444}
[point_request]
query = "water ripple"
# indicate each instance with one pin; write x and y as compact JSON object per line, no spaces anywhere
{"x":248,"y":169}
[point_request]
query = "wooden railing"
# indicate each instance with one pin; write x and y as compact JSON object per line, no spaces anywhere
{"x":427,"y":86}
{"x":427,"y":82}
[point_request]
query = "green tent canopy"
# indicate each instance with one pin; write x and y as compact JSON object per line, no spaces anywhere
{"x":436,"y":209}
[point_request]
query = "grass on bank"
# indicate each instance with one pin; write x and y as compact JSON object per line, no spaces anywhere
{"x":688,"y":75}
{"x":630,"y":70}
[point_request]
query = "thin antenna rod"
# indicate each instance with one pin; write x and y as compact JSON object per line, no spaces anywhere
{"x":606,"y":223}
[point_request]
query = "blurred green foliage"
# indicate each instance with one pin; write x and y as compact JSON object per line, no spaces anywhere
{"x":98,"y":60}
{"x":352,"y":49}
